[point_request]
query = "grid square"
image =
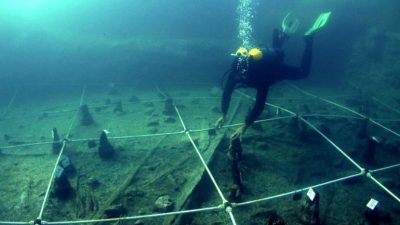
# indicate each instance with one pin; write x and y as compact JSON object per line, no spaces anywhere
{"x":390,"y":179}
{"x":26,"y":173}
{"x":138,"y":117}
{"x":340,"y":203}
{"x":275,"y":160}
{"x":143,"y":170}
{"x":280,"y":154}
{"x":34,"y":113}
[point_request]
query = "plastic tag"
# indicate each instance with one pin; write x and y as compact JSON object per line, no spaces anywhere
{"x":58,"y":172}
{"x":376,"y":139}
{"x":372,"y":204}
{"x":65,"y":162}
{"x":311,"y":194}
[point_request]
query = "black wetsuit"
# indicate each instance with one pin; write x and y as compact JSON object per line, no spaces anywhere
{"x":265,"y":72}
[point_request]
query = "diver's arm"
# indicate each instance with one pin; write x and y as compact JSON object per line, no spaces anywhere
{"x":258,"y":106}
{"x":294,"y":73}
{"x":227,"y":94}
{"x":278,"y":38}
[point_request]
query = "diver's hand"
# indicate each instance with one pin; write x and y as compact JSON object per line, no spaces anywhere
{"x":239,"y":132}
{"x":220,"y":122}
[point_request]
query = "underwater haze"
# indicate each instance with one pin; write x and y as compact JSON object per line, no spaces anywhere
{"x":78,"y":41}
{"x":169,"y":112}
{"x":45,"y":41}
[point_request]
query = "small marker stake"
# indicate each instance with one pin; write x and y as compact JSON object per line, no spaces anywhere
{"x":372,"y":203}
{"x":311,"y":194}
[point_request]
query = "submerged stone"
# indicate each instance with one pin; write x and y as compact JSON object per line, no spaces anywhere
{"x":164,"y":204}
{"x":86,"y":117}
{"x":153,"y":123}
{"x":118,"y":108}
{"x":170,"y":120}
{"x":169,"y":108}
{"x":57,"y":144}
{"x":106,"y":150}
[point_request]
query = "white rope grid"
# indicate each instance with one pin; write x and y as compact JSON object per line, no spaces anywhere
{"x":187,"y":132}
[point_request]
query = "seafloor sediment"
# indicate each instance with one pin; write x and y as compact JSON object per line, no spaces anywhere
{"x":155,"y":168}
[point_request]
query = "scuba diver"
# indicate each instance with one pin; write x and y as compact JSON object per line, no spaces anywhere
{"x":260,"y":68}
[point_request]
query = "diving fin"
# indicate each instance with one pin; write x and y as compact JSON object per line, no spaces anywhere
{"x":319,"y":23}
{"x":290,"y":24}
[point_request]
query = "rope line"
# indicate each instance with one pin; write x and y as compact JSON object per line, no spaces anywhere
{"x":384,"y":127}
{"x":267,"y":103}
{"x":386,"y":105}
{"x":345,"y":108}
{"x":369,"y":175}
{"x":10,"y":103}
{"x":139,"y":135}
{"x":383,"y":187}
{"x":201,"y":157}
{"x":46,"y":197}
{"x":143,"y":135}
{"x":174,"y":133}
{"x":385,"y":168}
{"x":146,"y":135}
{"x":180,"y":118}
{"x":206,"y":168}
{"x":332,"y":143}
{"x":231,"y":216}
{"x":27,"y":145}
{"x":317,"y":130}
{"x":297,"y":98}
{"x":49,"y":185}
{"x":333,"y":115}
{"x":215,"y":208}
{"x":187,"y":132}
{"x":90,"y":139}
{"x":298,"y":190}
{"x":388,"y":120}
{"x":14,"y":223}
{"x":258,"y":121}
{"x":325,"y":100}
